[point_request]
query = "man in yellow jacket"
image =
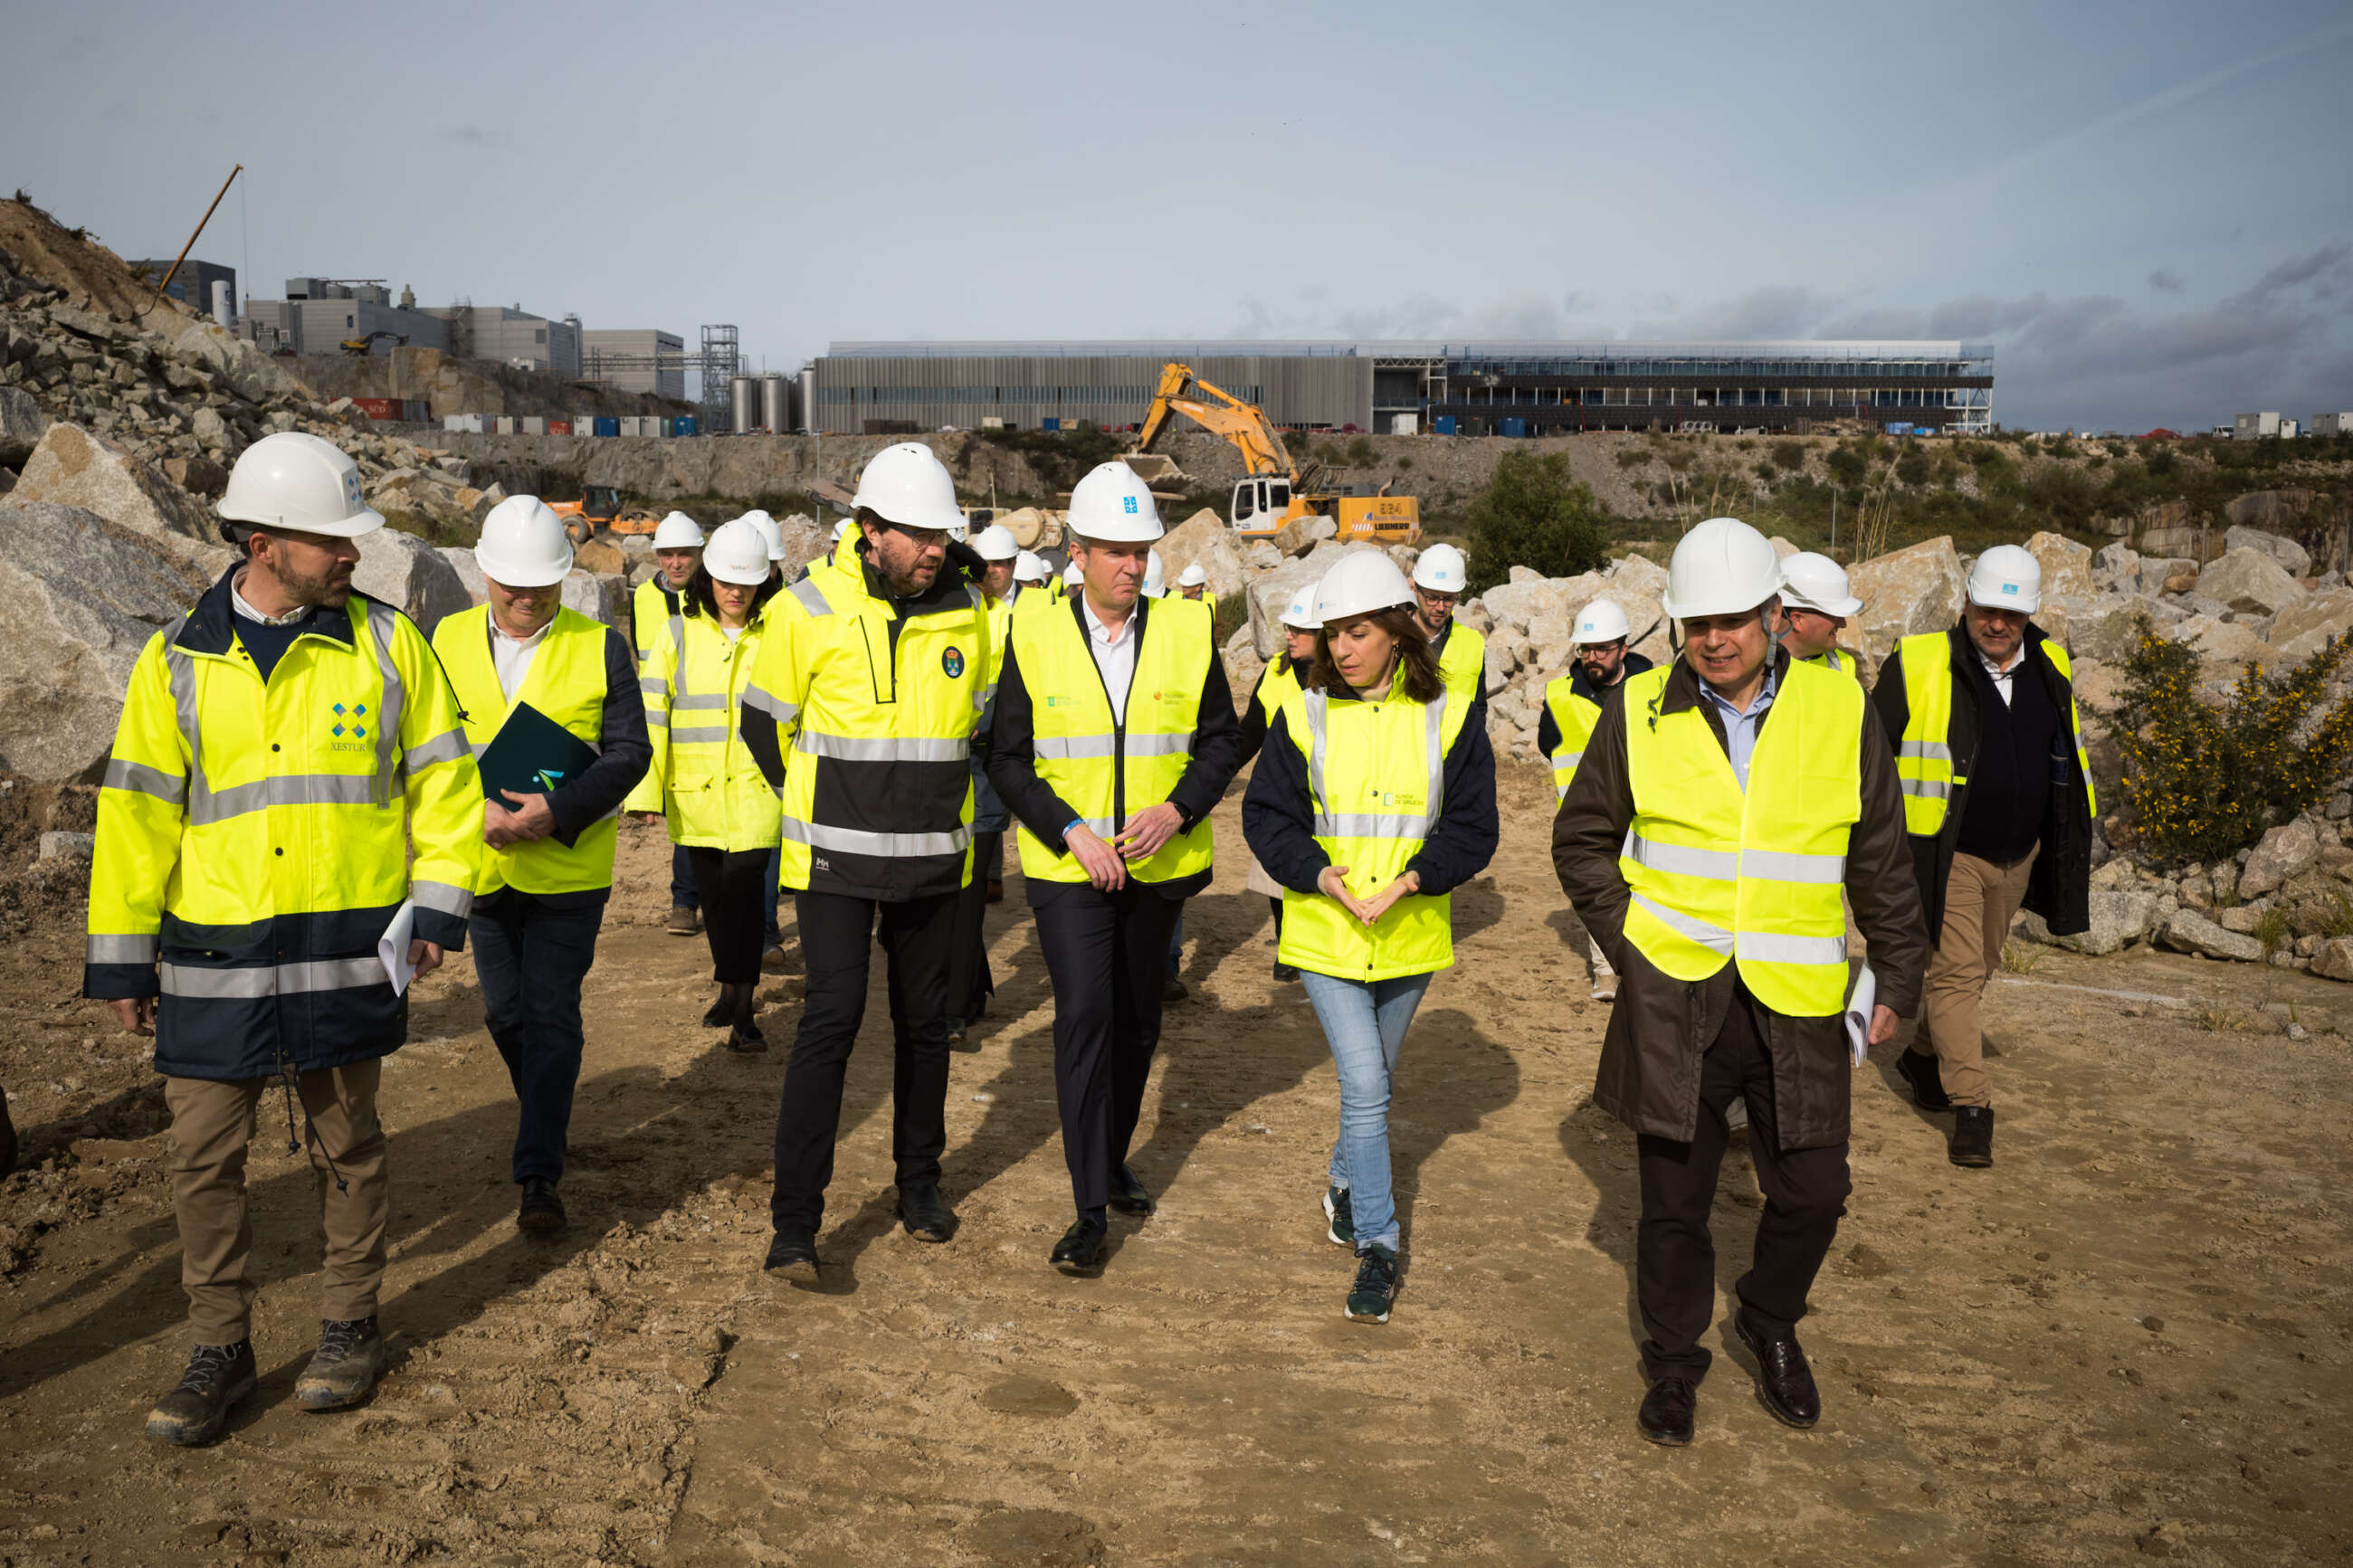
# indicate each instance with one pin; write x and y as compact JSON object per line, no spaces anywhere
{"x":283,"y":748}
{"x":872,"y":678}
{"x":678,"y":550}
{"x":525,"y":668}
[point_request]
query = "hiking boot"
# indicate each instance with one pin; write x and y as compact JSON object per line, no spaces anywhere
{"x":684,"y":922}
{"x":1081,"y":1248}
{"x":925,"y":1213}
{"x":542,"y":1213}
{"x":1667,"y":1411}
{"x":1370,"y":1297}
{"x":1338,"y":1223}
{"x":194,"y":1412}
{"x":349,"y":1360}
{"x":1972,"y":1143}
{"x":793,"y":1254}
{"x":1920,"y":1070}
{"x":1128,"y":1193}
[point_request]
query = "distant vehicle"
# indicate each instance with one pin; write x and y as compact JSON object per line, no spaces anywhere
{"x":356,"y":346}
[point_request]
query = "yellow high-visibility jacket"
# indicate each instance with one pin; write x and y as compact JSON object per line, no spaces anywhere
{"x":650,"y":608}
{"x":1463,"y":662}
{"x":254,"y":838}
{"x":704,"y":778}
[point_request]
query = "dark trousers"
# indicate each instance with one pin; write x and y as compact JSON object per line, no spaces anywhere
{"x":1805,"y":1195}
{"x":682,"y":894}
{"x":969,"y":985}
{"x":838,"y":934}
{"x":730,"y":882}
{"x":772,"y":933}
{"x":530,"y":953}
{"x":1108,"y":955}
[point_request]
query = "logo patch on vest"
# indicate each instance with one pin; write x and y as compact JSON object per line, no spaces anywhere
{"x":952,"y":662}
{"x":349,"y":728}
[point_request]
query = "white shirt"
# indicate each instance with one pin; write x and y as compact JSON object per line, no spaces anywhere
{"x":1114,"y":654}
{"x":236,"y":602}
{"x":2001,"y":677}
{"x":512,"y":656}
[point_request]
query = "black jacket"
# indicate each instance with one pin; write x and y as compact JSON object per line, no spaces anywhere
{"x":2059,"y":888}
{"x":1278,"y":817}
{"x":1548,"y":732}
{"x":1013,"y":759}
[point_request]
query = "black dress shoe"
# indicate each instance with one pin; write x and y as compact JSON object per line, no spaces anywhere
{"x":745,"y":1040}
{"x":542,"y":1213}
{"x":719,"y":1016}
{"x":794,"y":1254}
{"x":1919,"y":1069}
{"x":1972,"y":1143}
{"x":925,"y":1213}
{"x":1666,"y":1413}
{"x":1785,"y":1383}
{"x":1128,"y":1195}
{"x":1081,"y":1248}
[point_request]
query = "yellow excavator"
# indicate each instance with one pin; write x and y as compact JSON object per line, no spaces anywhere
{"x":1278,"y":489}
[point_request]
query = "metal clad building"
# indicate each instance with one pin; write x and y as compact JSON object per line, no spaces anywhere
{"x":636,"y":359}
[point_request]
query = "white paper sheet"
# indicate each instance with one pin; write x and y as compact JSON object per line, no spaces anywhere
{"x":1858,"y":1013}
{"x":392,"y":948}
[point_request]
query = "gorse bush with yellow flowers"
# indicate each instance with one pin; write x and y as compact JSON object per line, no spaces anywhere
{"x":2204,"y":780}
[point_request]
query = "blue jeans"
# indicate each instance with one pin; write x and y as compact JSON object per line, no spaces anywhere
{"x":1365,"y":1022}
{"x":530,"y":957}
{"x":683,"y":895}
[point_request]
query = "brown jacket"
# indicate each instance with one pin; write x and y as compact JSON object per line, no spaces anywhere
{"x":1660,"y":1026}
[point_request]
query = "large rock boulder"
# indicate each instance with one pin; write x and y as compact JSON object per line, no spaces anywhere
{"x":80,"y":596}
{"x":2334,"y":960}
{"x":2107,"y":626}
{"x":2156,"y":571}
{"x":22,"y":426}
{"x":2329,"y":611}
{"x":2251,"y":582}
{"x":1637,"y":574}
{"x":2221,"y":642}
{"x":2116,"y":566}
{"x":2189,"y":931}
{"x":2285,"y":852}
{"x":402,"y":571}
{"x":1906,"y":592}
{"x":806,"y":539}
{"x":1203,"y":540}
{"x":599,"y":596}
{"x":2293,"y":559}
{"x":1517,"y":604}
{"x":1270,"y":593}
{"x":1302,"y":534}
{"x":70,"y":467}
{"x":2066,"y":566}
{"x":470,"y":574}
{"x":2119,"y":918}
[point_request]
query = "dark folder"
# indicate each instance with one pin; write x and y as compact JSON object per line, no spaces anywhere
{"x":533,"y":755}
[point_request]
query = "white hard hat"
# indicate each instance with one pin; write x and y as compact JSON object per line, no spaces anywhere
{"x":2007,"y":578}
{"x":679,"y":531}
{"x":297,"y":481}
{"x":1721,"y":567}
{"x":1602,"y":621}
{"x":1072,"y":575}
{"x":1441,"y":570}
{"x":995,"y":543}
{"x":1811,"y":582}
{"x":738,"y":554}
{"x":771,"y":534}
{"x":907,"y":484}
{"x":1155,"y":577}
{"x":1193,"y":576}
{"x":524,"y":545}
{"x":1301,"y":613}
{"x":1113,"y":504}
{"x":1359,"y":583}
{"x":1030,"y":567}
{"x":841,"y":529}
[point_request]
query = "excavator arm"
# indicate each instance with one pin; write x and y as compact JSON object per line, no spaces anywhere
{"x":1220,"y":413}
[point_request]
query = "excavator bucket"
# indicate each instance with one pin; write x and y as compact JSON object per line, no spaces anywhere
{"x":1154,"y":469}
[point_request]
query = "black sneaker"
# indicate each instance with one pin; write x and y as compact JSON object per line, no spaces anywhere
{"x":1920,"y":1070}
{"x":1338,"y":1223}
{"x":1284,"y":972}
{"x":1376,"y":1287}
{"x":194,"y":1412}
{"x":793,"y":1254}
{"x":925,"y":1213}
{"x":542,"y":1211}
{"x":349,"y":1360}
{"x":1128,"y":1194}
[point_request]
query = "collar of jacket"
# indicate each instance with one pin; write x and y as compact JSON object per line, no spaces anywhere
{"x":946,"y":592}
{"x":1964,"y":654}
{"x":211,"y":627}
{"x":1682,"y":683}
{"x":1579,"y":684}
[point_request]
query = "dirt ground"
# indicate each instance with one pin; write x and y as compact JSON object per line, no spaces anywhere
{"x":2129,"y":1339}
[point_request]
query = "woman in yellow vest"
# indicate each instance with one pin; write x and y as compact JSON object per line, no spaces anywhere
{"x":1374,"y":798}
{"x":519,"y":663}
{"x":1279,"y":680}
{"x":706,"y":778}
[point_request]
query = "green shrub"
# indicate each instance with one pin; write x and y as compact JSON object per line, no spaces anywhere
{"x":2161,"y":463}
{"x":1846,"y":464}
{"x":2205,"y":780}
{"x":1531,"y":515}
{"x":1361,"y":454}
{"x":1912,"y":467}
{"x":1789,"y":455}
{"x":1628,"y":458}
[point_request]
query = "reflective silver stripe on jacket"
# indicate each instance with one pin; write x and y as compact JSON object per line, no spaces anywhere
{"x":1708,"y":934}
{"x":648,"y":686}
{"x":883,"y":748}
{"x":103,"y":949}
{"x":1926,"y":789}
{"x":811,"y":596}
{"x":272,"y":980}
{"x":285,"y":789}
{"x":448,"y":746}
{"x":441,"y":896}
{"x":1727,"y":866}
{"x":383,"y":625}
{"x":139,"y":779}
{"x":1371,"y":824}
{"x":854,"y":841}
{"x":1176,"y":745}
{"x":1935,"y":749}
{"x":1073,"y":748}
{"x":1567,"y":759}
{"x":707,"y":732}
{"x":760,"y":701}
{"x":1772,"y":947}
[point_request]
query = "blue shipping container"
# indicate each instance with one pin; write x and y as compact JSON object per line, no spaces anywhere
{"x":1512,"y":427}
{"x":1050,"y":423}
{"x":1445,"y":424}
{"x":607,"y":425}
{"x":686,"y":425}
{"x":1899,"y":429}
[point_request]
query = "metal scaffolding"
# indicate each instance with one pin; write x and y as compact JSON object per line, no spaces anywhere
{"x":722,"y":361}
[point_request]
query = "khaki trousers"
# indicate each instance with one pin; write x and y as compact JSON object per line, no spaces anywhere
{"x":1980,"y":899}
{"x":212,"y":1126}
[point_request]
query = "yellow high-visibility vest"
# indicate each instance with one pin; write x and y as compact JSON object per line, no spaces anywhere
{"x":1838,"y":659}
{"x":1575,"y":715}
{"x":650,"y":608}
{"x":1277,"y":681}
{"x":1104,"y":767}
{"x":1924,"y":752}
{"x":704,"y":779}
{"x":565,"y":682}
{"x":1463,"y":662}
{"x":1376,"y":778}
{"x":1753,"y":877}
{"x":257,"y":837}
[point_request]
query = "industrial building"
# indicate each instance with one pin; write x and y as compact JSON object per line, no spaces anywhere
{"x":319,"y":315}
{"x":634,"y":359}
{"x":512,"y":336}
{"x":193,"y":284}
{"x":1471,"y":389}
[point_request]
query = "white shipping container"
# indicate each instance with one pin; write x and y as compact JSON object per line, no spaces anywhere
{"x":453,"y":422}
{"x":535,"y":425}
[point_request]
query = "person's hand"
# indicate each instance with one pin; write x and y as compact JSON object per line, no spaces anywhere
{"x":1380,"y":904}
{"x":135,"y":1014}
{"x":530,"y":817}
{"x":424,"y":956}
{"x":646,"y":818}
{"x":1882,"y":1025}
{"x":1148,"y":830}
{"x":1333,"y":883}
{"x":1105,"y":868}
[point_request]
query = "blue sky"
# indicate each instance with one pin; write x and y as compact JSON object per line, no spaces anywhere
{"x":2146,"y":207}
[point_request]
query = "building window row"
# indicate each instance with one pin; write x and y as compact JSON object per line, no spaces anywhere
{"x":1845,"y":370}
